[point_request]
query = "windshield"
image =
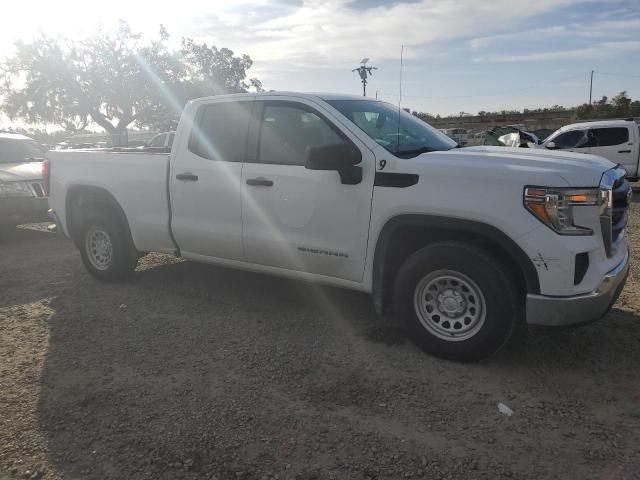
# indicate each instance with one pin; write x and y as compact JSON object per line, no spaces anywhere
{"x":34,"y":150}
{"x":19,"y":150}
{"x":405,"y":138}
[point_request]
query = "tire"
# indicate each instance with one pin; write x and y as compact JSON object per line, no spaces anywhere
{"x":458,"y":301}
{"x":106,"y":249}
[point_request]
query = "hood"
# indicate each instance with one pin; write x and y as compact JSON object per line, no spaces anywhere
{"x":20,"y":172}
{"x":576,"y":169}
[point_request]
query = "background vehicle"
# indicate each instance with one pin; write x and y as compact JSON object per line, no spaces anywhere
{"x":350,"y":192}
{"x":510,"y":136}
{"x":459,"y":135}
{"x":22,"y":196}
{"x":615,"y":140}
{"x":161,"y":142}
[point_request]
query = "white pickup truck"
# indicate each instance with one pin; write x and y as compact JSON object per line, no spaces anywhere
{"x":464,"y":245}
{"x":615,"y":140}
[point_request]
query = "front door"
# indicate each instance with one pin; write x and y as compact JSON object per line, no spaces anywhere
{"x":205,"y":181}
{"x":300,"y":219}
{"x":614,"y":144}
{"x":572,"y":141}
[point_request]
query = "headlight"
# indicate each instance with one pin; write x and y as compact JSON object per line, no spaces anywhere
{"x":554,"y":207}
{"x":15,"y":189}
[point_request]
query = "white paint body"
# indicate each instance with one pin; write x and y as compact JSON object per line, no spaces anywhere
{"x":626,"y":153}
{"x":220,"y":219}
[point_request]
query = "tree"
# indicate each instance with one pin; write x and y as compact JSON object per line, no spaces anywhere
{"x":214,"y":71}
{"x":115,"y":80}
{"x":620,"y":106}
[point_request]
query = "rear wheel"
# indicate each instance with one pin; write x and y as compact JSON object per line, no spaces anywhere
{"x":457,"y":301}
{"x":106,"y":250}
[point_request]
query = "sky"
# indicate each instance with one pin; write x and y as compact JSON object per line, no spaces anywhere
{"x":459,"y":55}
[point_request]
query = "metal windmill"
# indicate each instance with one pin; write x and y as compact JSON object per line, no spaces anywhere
{"x":365,"y":72}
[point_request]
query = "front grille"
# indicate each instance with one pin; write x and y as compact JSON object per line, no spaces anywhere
{"x":38,"y":190}
{"x":620,"y":206}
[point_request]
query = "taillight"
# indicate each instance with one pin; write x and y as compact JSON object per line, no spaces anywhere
{"x":46,"y":176}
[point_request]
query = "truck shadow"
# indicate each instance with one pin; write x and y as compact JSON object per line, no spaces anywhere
{"x":191,"y":370}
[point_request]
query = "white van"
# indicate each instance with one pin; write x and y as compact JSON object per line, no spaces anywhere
{"x":615,"y":140}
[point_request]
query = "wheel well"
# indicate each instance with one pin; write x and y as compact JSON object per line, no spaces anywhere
{"x":402,"y":237}
{"x":83,"y":201}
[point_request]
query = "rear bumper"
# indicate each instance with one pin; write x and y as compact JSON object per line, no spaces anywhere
{"x":16,"y":210}
{"x":562,"y":311}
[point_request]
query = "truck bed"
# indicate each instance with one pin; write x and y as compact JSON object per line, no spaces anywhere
{"x":137,"y":180}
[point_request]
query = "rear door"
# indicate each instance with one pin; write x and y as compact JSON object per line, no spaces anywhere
{"x":615,"y":144}
{"x":205,"y":180}
{"x":300,"y":219}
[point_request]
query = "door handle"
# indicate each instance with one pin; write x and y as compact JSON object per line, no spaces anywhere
{"x":259,"y":182}
{"x":189,"y":177}
{"x":624,"y":151}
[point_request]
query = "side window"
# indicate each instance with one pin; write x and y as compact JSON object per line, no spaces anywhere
{"x":220,"y":131}
{"x":572,"y":139}
{"x":171,"y":137}
{"x":158,"y":140}
{"x":604,"y":137}
{"x":287,"y":131}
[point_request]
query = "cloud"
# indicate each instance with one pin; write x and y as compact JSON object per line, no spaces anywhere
{"x":608,"y":28}
{"x":597,"y":51}
{"x":320,"y":31}
{"x":525,"y":35}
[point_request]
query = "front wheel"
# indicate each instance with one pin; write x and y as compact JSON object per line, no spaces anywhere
{"x":457,"y":301}
{"x":106,"y":250}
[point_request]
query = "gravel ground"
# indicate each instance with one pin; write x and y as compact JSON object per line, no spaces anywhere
{"x":191,"y":371}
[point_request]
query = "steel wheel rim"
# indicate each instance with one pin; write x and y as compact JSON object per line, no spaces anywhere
{"x":99,"y":248}
{"x":450,"y":305}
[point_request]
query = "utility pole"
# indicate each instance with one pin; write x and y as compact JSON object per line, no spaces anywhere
{"x":365,"y":72}
{"x":591,"y":87}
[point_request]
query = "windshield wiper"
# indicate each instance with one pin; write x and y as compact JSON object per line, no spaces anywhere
{"x":416,"y":151}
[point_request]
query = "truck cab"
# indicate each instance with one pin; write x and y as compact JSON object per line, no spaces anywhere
{"x":615,"y":140}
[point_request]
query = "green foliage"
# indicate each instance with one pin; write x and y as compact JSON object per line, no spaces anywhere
{"x":620,"y":106}
{"x":115,"y":80}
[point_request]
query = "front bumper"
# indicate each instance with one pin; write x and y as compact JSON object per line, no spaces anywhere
{"x":16,"y":210}
{"x":562,"y":311}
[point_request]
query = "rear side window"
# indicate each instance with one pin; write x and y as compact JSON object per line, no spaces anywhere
{"x":220,"y":131}
{"x":572,"y":139}
{"x":604,"y":137}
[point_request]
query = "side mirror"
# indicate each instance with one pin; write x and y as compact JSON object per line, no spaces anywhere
{"x":550,"y":145}
{"x":332,"y":157}
{"x":341,"y":157}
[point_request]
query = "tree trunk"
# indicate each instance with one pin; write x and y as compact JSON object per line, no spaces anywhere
{"x":117,"y":133}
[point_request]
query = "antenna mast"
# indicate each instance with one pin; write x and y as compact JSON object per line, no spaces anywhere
{"x":365,"y":72}
{"x":400,"y":96}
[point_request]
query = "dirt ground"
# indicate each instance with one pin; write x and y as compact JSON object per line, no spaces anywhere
{"x":190,"y":371}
